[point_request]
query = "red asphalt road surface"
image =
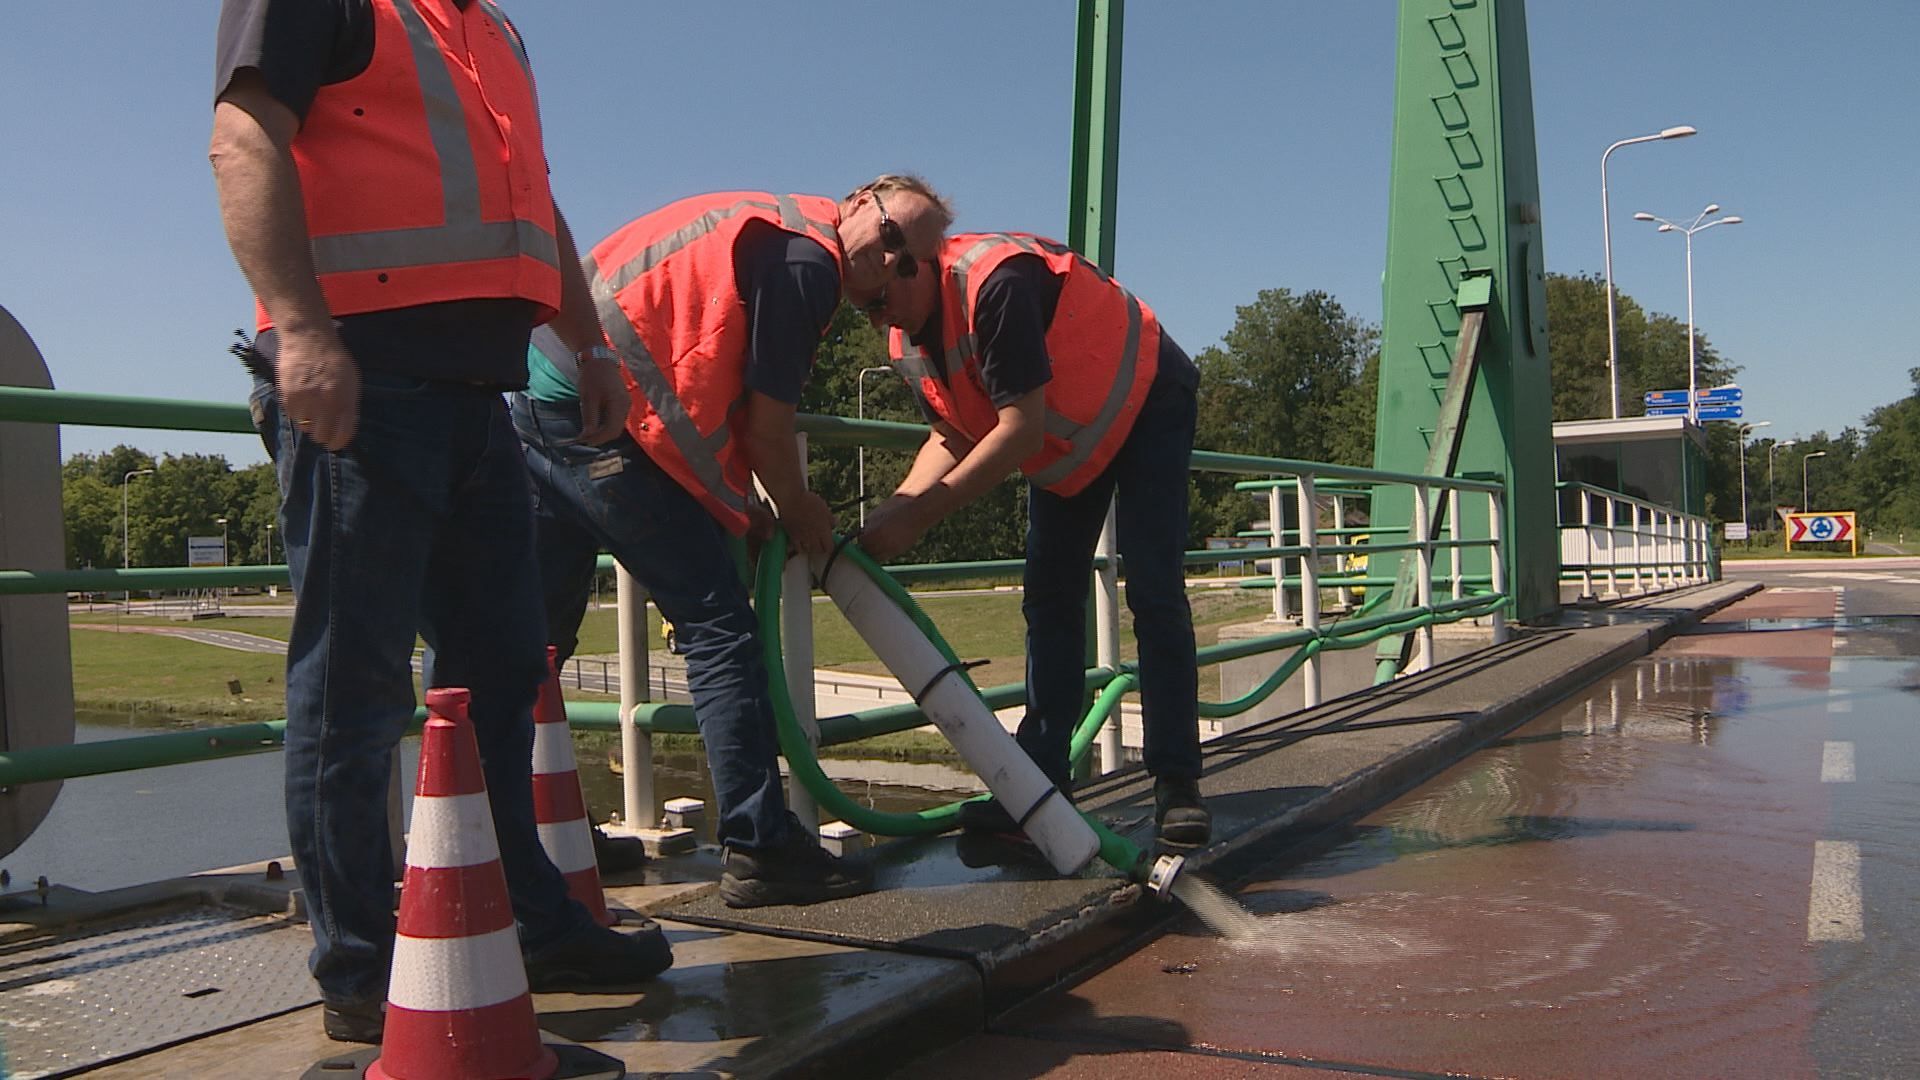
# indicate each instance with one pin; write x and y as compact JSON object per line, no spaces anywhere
{"x":1619,"y":888}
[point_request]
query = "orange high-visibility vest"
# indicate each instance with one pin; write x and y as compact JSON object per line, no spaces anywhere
{"x":1104,"y":344}
{"x":669,"y":298}
{"x":424,"y":175}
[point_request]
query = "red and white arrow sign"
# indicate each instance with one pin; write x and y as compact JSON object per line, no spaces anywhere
{"x":1820,"y":527}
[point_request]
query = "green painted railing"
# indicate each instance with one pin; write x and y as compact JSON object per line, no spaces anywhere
{"x":180,"y":747}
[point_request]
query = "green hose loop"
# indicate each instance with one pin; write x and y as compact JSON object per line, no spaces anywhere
{"x":794,"y":745}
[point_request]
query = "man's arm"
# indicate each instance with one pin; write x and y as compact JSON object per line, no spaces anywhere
{"x":265,"y":220}
{"x":603,"y":394}
{"x":934,"y":489}
{"x":774,"y":458}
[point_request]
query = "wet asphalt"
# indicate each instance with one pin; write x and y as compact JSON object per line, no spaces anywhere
{"x":1700,"y":866}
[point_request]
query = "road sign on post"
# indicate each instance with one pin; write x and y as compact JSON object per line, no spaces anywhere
{"x":206,"y":551}
{"x":1719,"y":412}
{"x":1719,"y":395}
{"x":1666,"y":410}
{"x":1665,"y":397}
{"x":1833,"y":527}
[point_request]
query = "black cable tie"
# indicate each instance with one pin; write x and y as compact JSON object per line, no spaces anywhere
{"x":839,"y":546}
{"x":1052,"y":790}
{"x":957,"y":665}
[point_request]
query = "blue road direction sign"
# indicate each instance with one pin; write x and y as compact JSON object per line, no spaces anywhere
{"x":1704,"y":412}
{"x":1657,"y":398}
{"x":1719,"y":395}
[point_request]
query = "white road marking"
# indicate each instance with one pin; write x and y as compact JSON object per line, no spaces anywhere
{"x":1836,"y":763}
{"x":1838,"y":701}
{"x":1837,"y":666}
{"x":1833,"y":909}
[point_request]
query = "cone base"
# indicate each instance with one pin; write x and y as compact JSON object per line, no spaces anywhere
{"x":573,"y":1063}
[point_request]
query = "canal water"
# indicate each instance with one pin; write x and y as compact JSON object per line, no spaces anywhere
{"x":121,"y":829}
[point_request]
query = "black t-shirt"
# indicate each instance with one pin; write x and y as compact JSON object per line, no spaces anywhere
{"x":297,"y":47}
{"x":791,"y":286}
{"x":1010,"y":321}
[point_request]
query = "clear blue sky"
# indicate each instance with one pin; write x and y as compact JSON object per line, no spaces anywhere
{"x":1254,"y":154}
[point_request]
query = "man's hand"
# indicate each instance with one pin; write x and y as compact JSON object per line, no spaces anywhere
{"x":319,"y":386}
{"x":809,"y":523}
{"x":892,"y":528}
{"x":603,"y":401}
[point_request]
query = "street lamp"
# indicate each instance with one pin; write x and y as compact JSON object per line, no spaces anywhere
{"x":270,"y":536}
{"x":1606,"y":242}
{"x":1746,"y":515}
{"x":126,"y":549}
{"x":860,"y":411}
{"x":222,"y":522}
{"x":1805,"y":500}
{"x":1693,"y":406}
{"x":1771,"y":497}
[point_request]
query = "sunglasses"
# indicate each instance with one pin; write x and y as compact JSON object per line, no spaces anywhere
{"x":893,"y":240}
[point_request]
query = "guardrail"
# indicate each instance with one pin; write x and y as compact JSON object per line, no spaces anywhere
{"x":1628,"y":545}
{"x":635,"y":717}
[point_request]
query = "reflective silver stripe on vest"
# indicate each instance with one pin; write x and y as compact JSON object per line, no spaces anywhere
{"x":464,"y":237}
{"x":912,"y":363}
{"x":701,"y":453}
{"x":1085,"y":439}
{"x":792,"y":219}
{"x":512,"y":35}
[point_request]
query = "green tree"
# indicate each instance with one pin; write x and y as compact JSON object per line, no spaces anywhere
{"x":1290,"y":379}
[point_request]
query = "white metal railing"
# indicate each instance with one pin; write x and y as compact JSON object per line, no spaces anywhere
{"x":1628,"y":546}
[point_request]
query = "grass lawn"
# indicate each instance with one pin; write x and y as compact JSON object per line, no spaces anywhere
{"x":167,"y":676}
{"x":170,"y":678}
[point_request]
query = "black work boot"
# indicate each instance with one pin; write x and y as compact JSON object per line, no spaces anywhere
{"x":796,"y":870}
{"x":1181,"y":816}
{"x":358,"y":1021}
{"x":595,"y":959}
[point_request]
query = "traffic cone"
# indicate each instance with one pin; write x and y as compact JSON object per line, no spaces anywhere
{"x":457,"y":1002}
{"x":558,"y":804}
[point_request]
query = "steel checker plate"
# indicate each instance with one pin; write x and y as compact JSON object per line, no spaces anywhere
{"x":105,"y":993}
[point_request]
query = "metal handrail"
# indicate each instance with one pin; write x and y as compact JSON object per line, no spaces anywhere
{"x":1671,"y":551}
{"x":1294,"y":476}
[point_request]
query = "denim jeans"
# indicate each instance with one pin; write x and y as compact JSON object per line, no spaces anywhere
{"x":1147,"y":480}
{"x":422,"y":524}
{"x":614,"y":498}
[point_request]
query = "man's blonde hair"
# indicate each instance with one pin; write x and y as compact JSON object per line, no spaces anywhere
{"x":885,"y":182}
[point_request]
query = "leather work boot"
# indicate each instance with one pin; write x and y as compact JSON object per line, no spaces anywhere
{"x":796,"y":871}
{"x":599,"y":960}
{"x":1182,"y":818}
{"x":362,"y":1021}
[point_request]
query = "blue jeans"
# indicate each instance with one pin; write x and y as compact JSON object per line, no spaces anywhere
{"x":422,"y":524}
{"x":1148,"y":481}
{"x":613,"y":497}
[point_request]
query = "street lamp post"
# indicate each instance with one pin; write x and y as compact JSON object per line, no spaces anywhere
{"x":1693,"y":406}
{"x":1746,"y":514}
{"x":1770,"y":452}
{"x":126,"y":548}
{"x":860,"y":411}
{"x":1606,"y":243}
{"x":1806,"y":501}
{"x":269,"y":543}
{"x":222,"y":522}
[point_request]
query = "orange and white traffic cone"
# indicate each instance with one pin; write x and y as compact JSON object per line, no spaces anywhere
{"x":558,"y":804}
{"x":457,"y":1001}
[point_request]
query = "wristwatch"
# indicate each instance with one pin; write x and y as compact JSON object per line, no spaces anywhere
{"x":594,"y":352}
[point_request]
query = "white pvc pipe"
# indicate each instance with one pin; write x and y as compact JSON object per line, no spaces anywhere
{"x":636,"y":747}
{"x":1046,"y":816}
{"x":1309,"y":583}
{"x":1106,"y":630}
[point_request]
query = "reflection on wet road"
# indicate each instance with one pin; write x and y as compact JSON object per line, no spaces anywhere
{"x":1699,"y":867}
